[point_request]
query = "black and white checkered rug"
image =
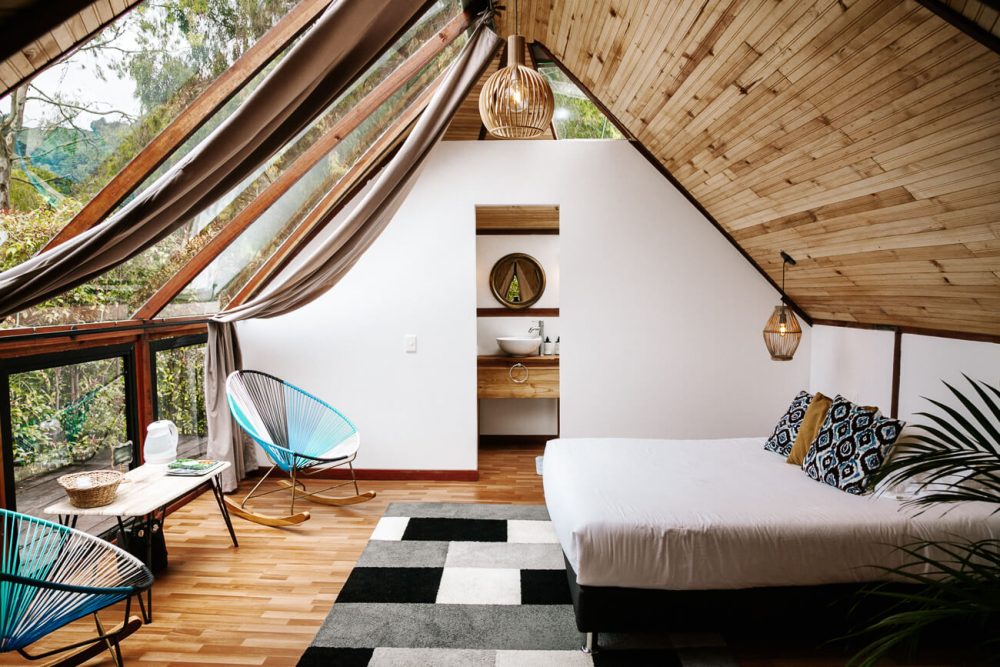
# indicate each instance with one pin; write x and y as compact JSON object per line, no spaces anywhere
{"x":478,"y":585}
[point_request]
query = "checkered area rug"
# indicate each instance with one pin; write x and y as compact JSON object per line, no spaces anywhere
{"x":474,"y":585}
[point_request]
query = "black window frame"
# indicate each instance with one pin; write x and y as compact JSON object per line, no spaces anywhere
{"x":159,"y":345}
{"x":14,"y":365}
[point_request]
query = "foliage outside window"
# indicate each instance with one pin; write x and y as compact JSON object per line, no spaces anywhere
{"x":68,"y":130}
{"x":575,"y":116}
{"x":64,"y":419}
{"x":180,"y":395}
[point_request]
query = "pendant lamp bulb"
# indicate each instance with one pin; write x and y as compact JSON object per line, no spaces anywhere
{"x":782,"y":331}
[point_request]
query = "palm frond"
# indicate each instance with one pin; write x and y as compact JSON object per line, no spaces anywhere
{"x":955,"y":583}
{"x":953,"y":458}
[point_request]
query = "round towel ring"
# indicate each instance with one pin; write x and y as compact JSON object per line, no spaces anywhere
{"x":510,"y":373}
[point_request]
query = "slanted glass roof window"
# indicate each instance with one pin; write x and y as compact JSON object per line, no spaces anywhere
{"x":117,"y":294}
{"x":72,"y":127}
{"x":215,"y":286}
{"x":575,"y":116}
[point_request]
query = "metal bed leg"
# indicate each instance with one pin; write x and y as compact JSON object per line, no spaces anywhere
{"x":590,"y":647}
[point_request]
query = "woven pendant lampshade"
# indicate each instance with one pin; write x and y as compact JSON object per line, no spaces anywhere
{"x":782,"y":332}
{"x":516,"y":102}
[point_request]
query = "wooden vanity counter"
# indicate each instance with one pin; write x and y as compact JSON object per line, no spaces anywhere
{"x":503,"y":376}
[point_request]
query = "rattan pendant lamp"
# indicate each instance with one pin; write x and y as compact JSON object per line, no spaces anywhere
{"x":516,"y":102}
{"x":782,"y":331}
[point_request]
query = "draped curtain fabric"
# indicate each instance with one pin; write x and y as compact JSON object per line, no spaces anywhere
{"x":332,"y":259}
{"x":340,"y":46}
{"x":225,"y":440}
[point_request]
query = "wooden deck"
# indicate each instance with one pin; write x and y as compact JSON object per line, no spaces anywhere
{"x":261,"y":604}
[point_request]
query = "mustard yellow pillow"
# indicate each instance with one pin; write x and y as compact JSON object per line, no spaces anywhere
{"x":809,"y":428}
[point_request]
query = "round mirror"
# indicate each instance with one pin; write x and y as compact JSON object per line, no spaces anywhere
{"x":517,"y":280}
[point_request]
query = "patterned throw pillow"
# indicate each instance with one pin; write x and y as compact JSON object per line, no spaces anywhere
{"x":783,"y":438}
{"x":852,"y":444}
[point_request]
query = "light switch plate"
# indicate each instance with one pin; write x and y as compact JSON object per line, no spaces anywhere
{"x":410,"y":341}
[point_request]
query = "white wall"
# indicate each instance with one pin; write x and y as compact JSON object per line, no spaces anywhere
{"x":660,"y":317}
{"x":926,"y":361}
{"x":855,"y":363}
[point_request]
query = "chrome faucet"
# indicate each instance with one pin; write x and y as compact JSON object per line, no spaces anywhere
{"x":540,"y":328}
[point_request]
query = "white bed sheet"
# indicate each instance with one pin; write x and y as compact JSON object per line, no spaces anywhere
{"x":724,"y":514}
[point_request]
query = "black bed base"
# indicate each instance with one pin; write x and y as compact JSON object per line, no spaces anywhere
{"x":821,"y":612}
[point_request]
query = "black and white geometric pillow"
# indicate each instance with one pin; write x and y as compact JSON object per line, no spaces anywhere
{"x":784,"y":434}
{"x":852,"y":444}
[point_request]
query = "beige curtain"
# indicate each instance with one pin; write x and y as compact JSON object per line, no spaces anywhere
{"x":329,"y":262}
{"x":333,"y":53}
{"x":225,"y":440}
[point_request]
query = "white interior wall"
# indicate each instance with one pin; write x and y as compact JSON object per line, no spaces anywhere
{"x":855,"y":363}
{"x":928,"y":361}
{"x":660,"y":316}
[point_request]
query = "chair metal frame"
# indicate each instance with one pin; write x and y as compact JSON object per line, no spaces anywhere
{"x":296,"y":463}
{"x":61,"y":557}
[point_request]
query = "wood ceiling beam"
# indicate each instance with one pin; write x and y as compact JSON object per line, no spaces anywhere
{"x":350,"y":185}
{"x":964,"y":23}
{"x":309,"y":158}
{"x":191,"y":118}
{"x":546,"y":55}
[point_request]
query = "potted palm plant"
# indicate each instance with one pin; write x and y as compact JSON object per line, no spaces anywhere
{"x":952,"y":457}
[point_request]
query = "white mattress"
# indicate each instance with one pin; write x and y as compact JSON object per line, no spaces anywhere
{"x":703,"y":514}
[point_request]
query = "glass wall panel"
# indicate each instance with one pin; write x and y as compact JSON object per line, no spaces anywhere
{"x":575,"y":116}
{"x":179,"y":367}
{"x":118,"y":293}
{"x":64,"y":419}
{"x":69,"y":129}
{"x":218,"y":283}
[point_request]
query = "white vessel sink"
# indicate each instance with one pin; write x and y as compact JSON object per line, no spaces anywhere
{"x":519,"y":346}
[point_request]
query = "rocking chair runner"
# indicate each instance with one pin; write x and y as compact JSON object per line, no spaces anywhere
{"x":52,"y":575}
{"x":301,"y":434}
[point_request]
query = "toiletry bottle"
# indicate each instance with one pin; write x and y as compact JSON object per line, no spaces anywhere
{"x":556,"y":345}
{"x":548,"y":347}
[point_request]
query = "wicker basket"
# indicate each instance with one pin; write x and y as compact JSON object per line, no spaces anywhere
{"x":98,"y":489}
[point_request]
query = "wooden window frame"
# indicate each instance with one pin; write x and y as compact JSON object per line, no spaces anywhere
{"x":220,"y":91}
{"x":433,"y":47}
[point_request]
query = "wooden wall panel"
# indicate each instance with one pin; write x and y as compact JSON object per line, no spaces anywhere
{"x":860,"y":136}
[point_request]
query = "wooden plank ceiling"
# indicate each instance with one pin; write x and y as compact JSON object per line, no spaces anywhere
{"x":860,"y":136}
{"x":40,"y":33}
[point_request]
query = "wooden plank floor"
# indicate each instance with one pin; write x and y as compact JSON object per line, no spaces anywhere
{"x":261,"y":604}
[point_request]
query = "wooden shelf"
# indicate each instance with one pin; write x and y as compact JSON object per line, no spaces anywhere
{"x":513,"y":312}
{"x":517,"y":220}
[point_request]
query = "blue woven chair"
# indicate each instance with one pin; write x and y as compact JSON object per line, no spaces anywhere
{"x":52,"y":575}
{"x":301,"y":434}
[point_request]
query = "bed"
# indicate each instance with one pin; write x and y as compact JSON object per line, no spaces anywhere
{"x":649,"y":526}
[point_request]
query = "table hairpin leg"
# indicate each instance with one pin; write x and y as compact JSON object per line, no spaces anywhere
{"x":220,"y":499}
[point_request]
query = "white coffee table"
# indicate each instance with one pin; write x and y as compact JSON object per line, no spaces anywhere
{"x":145,"y":492}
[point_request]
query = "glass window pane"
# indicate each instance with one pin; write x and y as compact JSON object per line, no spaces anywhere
{"x":121,"y":291}
{"x":575,"y":116}
{"x":64,"y":420}
{"x":219,"y":282}
{"x":180,"y":396}
{"x":73,"y":126}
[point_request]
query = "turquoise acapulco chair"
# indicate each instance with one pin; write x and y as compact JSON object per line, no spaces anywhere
{"x":52,"y":575}
{"x":301,"y":434}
